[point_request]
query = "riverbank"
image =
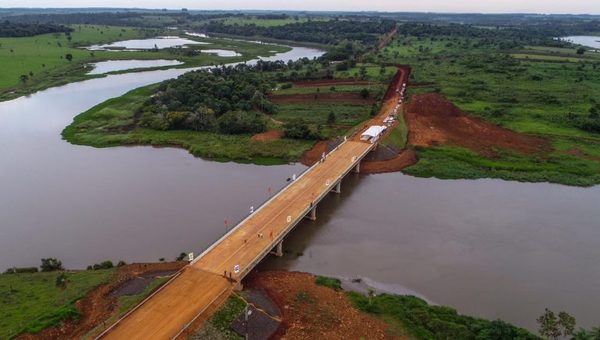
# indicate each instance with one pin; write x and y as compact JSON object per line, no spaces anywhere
{"x":288,"y":305}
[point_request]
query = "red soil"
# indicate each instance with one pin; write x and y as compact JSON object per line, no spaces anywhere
{"x":434,"y":120}
{"x":97,"y":305}
{"x":338,"y":97}
{"x":404,"y":159}
{"x":310,"y":311}
{"x":312,"y":156}
{"x":330,"y":82}
{"x":268,"y":136}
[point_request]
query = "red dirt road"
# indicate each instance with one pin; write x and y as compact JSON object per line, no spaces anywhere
{"x":434,"y":120}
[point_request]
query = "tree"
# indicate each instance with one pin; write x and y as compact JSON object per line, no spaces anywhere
{"x":51,"y":264}
{"x":24,"y":78}
{"x":69,"y":57}
{"x":593,"y":112}
{"x":581,"y":50}
{"x":364,"y":93}
{"x":363,"y":73}
{"x":548,"y":325}
{"x":566,"y":323}
{"x":331,"y":118}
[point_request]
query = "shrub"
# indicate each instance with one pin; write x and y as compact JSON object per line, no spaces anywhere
{"x":240,"y":122}
{"x":329,"y":282}
{"x":102,"y":265}
{"x":298,"y":129}
{"x":51,"y":264}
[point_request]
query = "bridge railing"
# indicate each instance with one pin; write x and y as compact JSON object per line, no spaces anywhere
{"x":262,"y":205}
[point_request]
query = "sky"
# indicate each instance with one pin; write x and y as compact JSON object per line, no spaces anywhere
{"x":460,"y":6}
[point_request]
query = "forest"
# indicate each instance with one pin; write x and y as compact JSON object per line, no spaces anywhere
{"x":231,"y":100}
{"x":367,"y":32}
{"x":10,"y":29}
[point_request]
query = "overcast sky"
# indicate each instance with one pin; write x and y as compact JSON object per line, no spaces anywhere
{"x":480,"y":6}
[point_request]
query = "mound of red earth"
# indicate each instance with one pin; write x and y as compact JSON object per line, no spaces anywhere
{"x":334,"y":97}
{"x":310,"y":311}
{"x":330,"y":82}
{"x":402,"y":160}
{"x":434,"y":120}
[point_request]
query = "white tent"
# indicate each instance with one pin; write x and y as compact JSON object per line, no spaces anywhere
{"x":372,"y":132}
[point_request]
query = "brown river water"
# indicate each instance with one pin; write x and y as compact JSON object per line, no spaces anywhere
{"x":489,"y":248}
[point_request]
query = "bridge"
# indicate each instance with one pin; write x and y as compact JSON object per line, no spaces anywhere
{"x":189,"y":298}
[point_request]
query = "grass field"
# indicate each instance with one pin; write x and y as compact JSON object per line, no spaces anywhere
{"x":544,"y":97}
{"x":33,"y":302}
{"x":42,"y":59}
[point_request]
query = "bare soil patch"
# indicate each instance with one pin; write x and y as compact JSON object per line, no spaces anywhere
{"x":404,"y":159}
{"x":434,"y":120}
{"x":311,"y":311}
{"x":99,"y":304}
{"x":268,"y":136}
{"x":330,"y":82}
{"x":333,"y":97}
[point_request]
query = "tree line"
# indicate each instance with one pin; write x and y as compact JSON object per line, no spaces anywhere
{"x":11,"y":29}
{"x":330,"y":32}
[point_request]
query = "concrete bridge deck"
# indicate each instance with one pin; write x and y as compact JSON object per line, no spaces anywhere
{"x":201,"y":287}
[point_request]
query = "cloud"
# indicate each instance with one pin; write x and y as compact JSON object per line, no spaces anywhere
{"x":488,"y":6}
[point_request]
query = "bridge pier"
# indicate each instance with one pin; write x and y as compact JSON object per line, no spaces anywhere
{"x":357,"y":168}
{"x":278,"y":249}
{"x":338,"y":187}
{"x":312,"y":214}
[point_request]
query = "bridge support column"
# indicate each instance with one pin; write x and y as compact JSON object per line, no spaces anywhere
{"x":357,"y":168}
{"x":279,"y":249}
{"x":338,"y":187}
{"x":312,"y":214}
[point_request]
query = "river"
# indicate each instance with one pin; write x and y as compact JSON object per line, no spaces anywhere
{"x":489,"y":248}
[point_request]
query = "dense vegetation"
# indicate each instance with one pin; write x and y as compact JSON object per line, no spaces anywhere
{"x":330,"y":32}
{"x":9,"y":29}
{"x":228,"y":98}
{"x":409,"y":314}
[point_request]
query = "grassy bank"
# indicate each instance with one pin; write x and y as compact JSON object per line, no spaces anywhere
{"x":112,"y":123}
{"x":544,"y":91}
{"x":409,"y":315}
{"x":33,"y":302}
